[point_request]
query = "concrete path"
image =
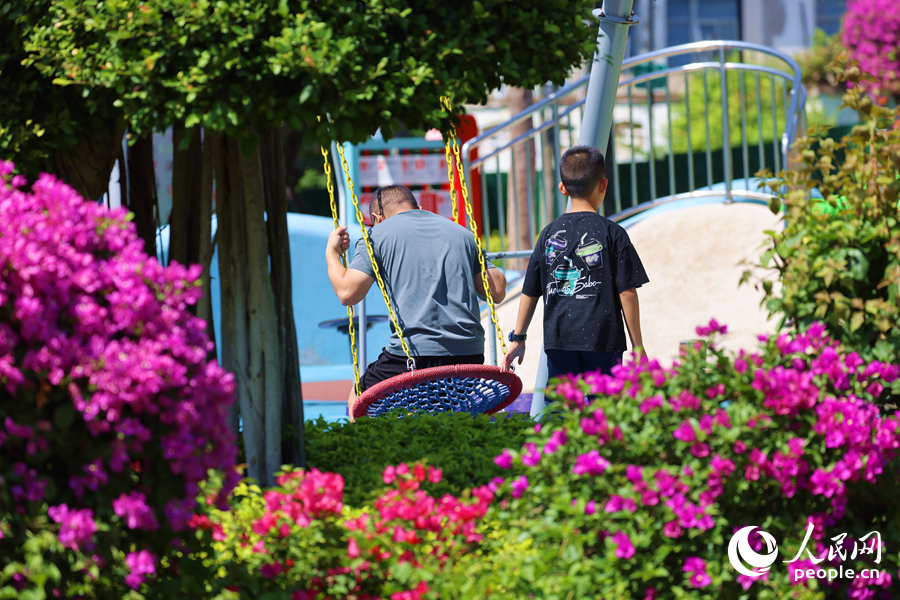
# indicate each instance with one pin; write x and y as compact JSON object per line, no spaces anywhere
{"x":694,"y":257}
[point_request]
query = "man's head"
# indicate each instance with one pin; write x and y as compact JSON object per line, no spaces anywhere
{"x":390,"y":200}
{"x":581,"y":169}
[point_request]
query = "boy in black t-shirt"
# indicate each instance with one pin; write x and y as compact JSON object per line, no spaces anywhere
{"x":587,"y":272}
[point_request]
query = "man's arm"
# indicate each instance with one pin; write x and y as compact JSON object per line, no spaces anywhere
{"x":527,"y":306}
{"x":631,"y":310}
{"x":350,"y":285}
{"x":497,"y":282}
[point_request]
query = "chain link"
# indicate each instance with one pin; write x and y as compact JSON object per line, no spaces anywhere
{"x":448,"y":153}
{"x":470,"y":221}
{"x":334,"y":216}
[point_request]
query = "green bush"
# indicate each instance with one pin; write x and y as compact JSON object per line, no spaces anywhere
{"x":461,"y":445}
{"x":842,"y":268}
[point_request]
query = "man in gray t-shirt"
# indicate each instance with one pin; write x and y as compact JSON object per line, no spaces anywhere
{"x":432,"y":274}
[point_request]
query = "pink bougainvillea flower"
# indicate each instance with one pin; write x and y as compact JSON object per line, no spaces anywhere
{"x":271,"y":570}
{"x":77,"y":527}
{"x":624,"y":547}
{"x":134,"y":510}
{"x":519,"y":486}
{"x":504,"y":459}
{"x":590,"y":463}
{"x":685,"y":432}
{"x":672,"y":529}
{"x":557,"y":439}
{"x":617,"y":503}
{"x":531,"y":456}
{"x":650,"y":403}
{"x":711,"y":328}
{"x":697,"y":567}
{"x":140,"y":564}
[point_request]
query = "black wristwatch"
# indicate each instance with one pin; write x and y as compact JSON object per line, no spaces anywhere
{"x":513,"y":337}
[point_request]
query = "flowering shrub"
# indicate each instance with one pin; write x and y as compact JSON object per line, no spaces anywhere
{"x":299,"y":541}
{"x":871,"y":33}
{"x":842,"y":269}
{"x":110,"y":413}
{"x":636,"y":490}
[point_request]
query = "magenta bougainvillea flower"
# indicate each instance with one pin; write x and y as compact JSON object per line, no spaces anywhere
{"x":109,"y":397}
{"x":871,"y":34}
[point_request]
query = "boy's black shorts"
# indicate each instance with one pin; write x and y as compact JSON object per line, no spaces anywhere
{"x":388,"y":365}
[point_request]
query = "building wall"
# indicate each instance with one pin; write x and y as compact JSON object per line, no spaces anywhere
{"x":785,"y":25}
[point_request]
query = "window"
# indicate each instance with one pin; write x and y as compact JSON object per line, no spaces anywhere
{"x":698,"y":20}
{"x":829,"y":14}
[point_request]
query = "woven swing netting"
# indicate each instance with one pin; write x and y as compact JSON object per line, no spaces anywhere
{"x":460,"y":388}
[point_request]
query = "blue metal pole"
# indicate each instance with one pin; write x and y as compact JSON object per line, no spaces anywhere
{"x":615,"y":18}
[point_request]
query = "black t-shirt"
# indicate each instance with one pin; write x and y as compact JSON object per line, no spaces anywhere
{"x":580,"y":264}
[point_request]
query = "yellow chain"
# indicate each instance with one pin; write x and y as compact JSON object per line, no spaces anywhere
{"x":410,"y":361}
{"x":470,"y":220}
{"x":448,"y":153}
{"x":334,"y":216}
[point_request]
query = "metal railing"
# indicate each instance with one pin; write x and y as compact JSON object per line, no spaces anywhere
{"x":664,"y":145}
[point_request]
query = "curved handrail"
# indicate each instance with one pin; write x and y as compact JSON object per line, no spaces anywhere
{"x":798,"y":91}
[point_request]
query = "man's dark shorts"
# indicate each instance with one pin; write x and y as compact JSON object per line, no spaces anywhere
{"x":389,"y":365}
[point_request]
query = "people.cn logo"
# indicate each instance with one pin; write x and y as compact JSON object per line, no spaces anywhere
{"x":740,"y":552}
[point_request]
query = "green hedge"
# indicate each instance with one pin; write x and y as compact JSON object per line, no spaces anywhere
{"x":462,"y":446}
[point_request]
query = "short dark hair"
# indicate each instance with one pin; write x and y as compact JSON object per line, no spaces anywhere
{"x":580,"y":169}
{"x":386,"y":200}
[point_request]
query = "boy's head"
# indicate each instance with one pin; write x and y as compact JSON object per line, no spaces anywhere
{"x":387,"y":201}
{"x":581,"y":169}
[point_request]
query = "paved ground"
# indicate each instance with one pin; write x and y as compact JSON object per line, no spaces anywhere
{"x":694,"y":258}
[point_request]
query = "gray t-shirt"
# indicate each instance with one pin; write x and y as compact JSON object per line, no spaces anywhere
{"x":429,"y":265}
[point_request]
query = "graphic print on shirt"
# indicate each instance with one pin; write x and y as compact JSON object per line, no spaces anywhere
{"x":590,"y":253}
{"x":555,"y":246}
{"x":568,"y":277}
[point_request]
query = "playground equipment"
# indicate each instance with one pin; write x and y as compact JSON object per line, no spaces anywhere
{"x":470,"y":388}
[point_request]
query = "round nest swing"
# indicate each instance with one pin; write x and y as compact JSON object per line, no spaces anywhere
{"x":460,"y":388}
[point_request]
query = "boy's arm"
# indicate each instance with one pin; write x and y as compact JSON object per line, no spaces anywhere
{"x":527,"y":306}
{"x":631,"y":310}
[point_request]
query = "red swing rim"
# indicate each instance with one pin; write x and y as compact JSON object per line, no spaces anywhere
{"x":411,"y":378}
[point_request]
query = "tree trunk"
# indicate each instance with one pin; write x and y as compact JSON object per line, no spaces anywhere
{"x":233,"y":269}
{"x":88,"y":165}
{"x":519,"y":234}
{"x":184,"y":231}
{"x":280,"y":254}
{"x":225,"y":198}
{"x":142,"y":199}
{"x":201,"y":218}
{"x":265,"y":379}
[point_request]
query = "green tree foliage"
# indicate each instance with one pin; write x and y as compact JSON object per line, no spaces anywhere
{"x":838,"y":258}
{"x":234,"y":65}
{"x":38,"y":119}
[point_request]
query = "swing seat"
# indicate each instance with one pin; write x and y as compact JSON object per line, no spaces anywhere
{"x":461,"y":388}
